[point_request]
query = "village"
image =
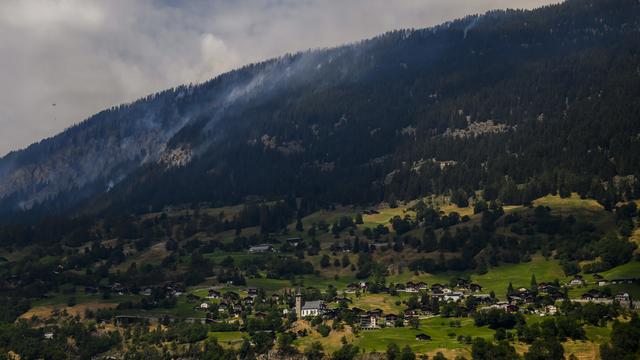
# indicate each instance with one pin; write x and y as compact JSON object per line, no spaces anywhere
{"x":416,"y":300}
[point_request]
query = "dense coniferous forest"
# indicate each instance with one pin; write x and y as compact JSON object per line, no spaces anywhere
{"x":516,"y":103}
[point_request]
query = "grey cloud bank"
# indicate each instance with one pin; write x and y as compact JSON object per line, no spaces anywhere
{"x":87,"y":55}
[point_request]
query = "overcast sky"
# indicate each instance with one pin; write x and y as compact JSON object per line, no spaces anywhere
{"x":87,"y":55}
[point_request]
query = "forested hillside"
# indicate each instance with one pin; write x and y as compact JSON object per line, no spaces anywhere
{"x":516,"y":103}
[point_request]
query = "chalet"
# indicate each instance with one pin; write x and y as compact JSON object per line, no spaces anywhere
{"x":147,"y":292}
{"x":237,"y":308}
{"x":548,"y":310}
{"x":248,"y":300}
{"x":436,"y":287}
{"x":118,"y":288}
{"x":551,"y":310}
{"x":380,"y":245}
{"x":312,"y":308}
{"x":524,"y":292}
{"x":294,"y":241}
{"x":204,"y":306}
{"x":262,"y":248}
{"x":463,"y":283}
{"x":390,"y":319}
{"x":422,"y":285}
{"x":423,"y":337}
{"x":214,"y":294}
{"x":593,"y":295}
{"x":410,"y":313}
{"x":368,"y":321}
{"x":512,"y":308}
{"x":546,"y":287}
{"x":515,"y":299}
{"x":253,"y":292}
{"x":475,"y":287}
{"x":410,"y":287}
{"x":342,"y":299}
{"x":501,"y":305}
{"x":622,"y":281}
{"x":623,"y":297}
{"x":454,"y":296}
{"x":577,"y":281}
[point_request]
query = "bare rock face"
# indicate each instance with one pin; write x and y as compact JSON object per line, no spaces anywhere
{"x":476,"y":129}
{"x":177,"y":157}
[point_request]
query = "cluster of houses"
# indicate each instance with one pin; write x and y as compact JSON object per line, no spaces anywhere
{"x":578,"y":280}
{"x":371,"y":319}
{"x":230,"y":302}
{"x":595,"y":295}
{"x":439,"y":291}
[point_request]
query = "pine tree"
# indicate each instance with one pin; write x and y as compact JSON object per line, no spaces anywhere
{"x":534,"y":283}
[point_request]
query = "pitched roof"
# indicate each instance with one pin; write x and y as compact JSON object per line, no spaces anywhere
{"x":309,"y":305}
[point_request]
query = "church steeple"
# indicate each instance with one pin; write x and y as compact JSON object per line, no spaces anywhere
{"x":298,"y":304}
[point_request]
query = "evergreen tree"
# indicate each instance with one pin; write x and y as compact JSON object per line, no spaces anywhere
{"x":510,"y":290}
{"x":534,"y":283}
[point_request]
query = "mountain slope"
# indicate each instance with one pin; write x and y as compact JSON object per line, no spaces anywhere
{"x":517,"y":103}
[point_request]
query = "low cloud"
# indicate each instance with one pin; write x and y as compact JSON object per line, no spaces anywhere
{"x":87,"y":55}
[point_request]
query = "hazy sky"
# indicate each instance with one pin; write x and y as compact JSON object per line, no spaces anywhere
{"x":87,"y":55}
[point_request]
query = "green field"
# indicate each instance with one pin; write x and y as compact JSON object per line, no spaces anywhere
{"x":497,"y":279}
{"x":380,"y":301}
{"x":229,"y":338}
{"x":628,"y":270}
{"x":438,"y":328}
